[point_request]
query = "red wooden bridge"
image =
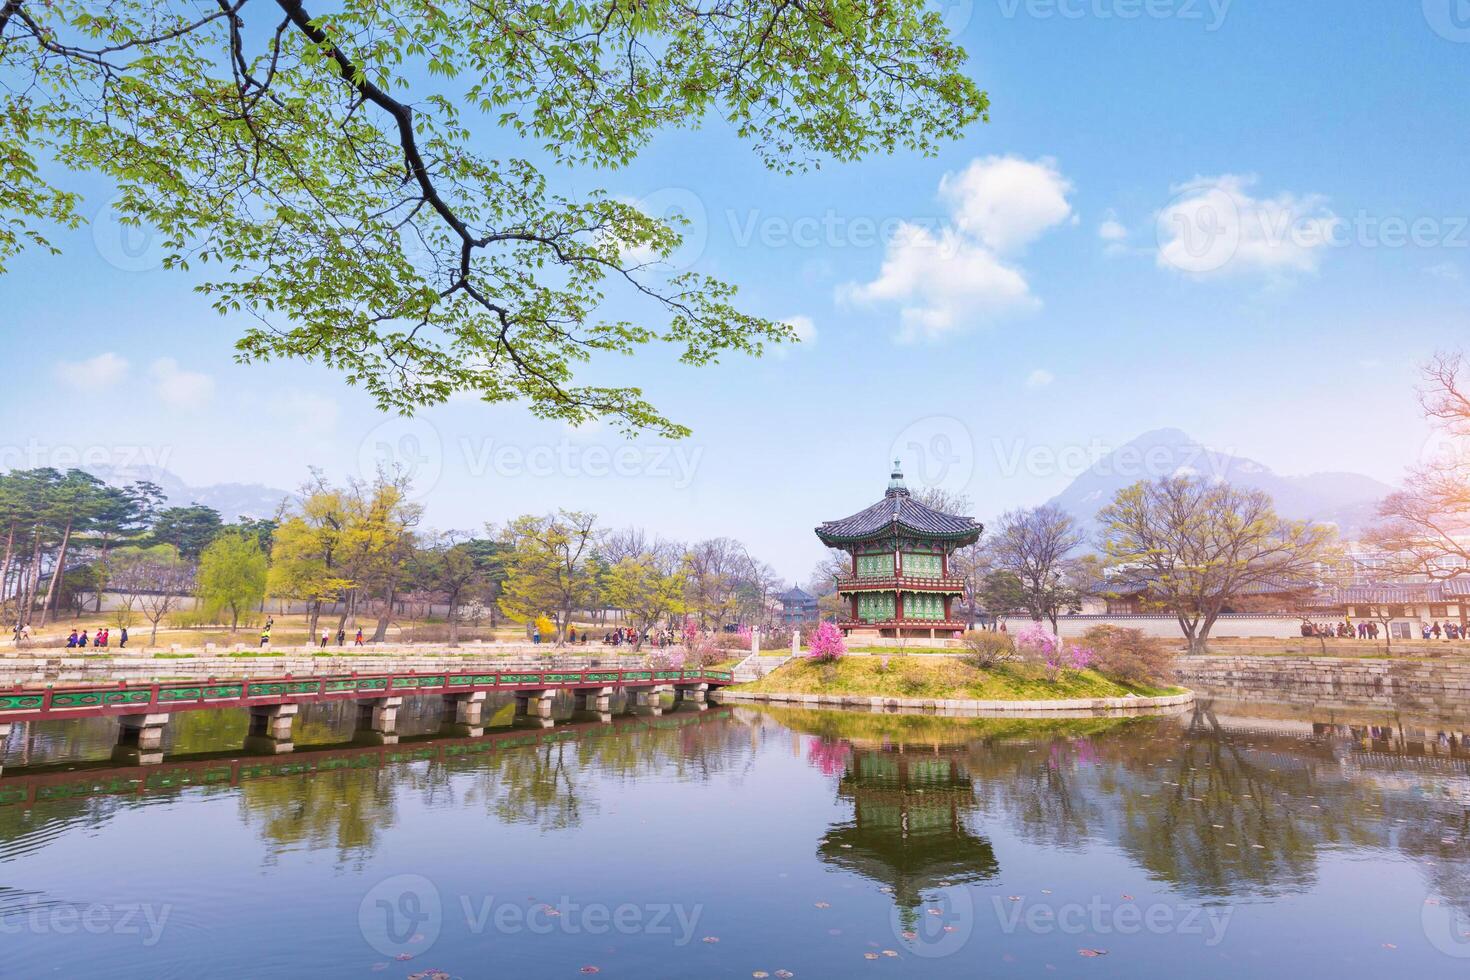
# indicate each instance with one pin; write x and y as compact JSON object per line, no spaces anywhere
{"x":144,"y":708}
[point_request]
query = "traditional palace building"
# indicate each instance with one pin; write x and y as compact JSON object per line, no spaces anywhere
{"x":899,"y":583}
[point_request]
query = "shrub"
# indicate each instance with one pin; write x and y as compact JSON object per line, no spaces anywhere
{"x":1129,"y":655}
{"x":826,"y":644}
{"x":984,"y":650}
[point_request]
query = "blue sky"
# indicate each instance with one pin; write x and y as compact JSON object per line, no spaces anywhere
{"x":1037,"y":293}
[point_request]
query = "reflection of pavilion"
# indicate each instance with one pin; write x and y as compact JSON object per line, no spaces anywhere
{"x":908,"y":829}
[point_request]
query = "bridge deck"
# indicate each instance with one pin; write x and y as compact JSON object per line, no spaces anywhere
{"x":166,"y":697}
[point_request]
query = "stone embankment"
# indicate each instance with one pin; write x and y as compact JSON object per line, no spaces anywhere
{"x":1331,"y":681}
{"x":1088,"y":707}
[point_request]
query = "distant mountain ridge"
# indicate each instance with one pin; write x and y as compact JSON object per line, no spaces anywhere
{"x":232,"y":500}
{"x":1348,"y":500}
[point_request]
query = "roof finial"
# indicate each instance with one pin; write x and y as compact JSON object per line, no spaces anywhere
{"x":895,"y":479}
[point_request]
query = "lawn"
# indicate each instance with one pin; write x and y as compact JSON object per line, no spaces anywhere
{"x":941,"y":678}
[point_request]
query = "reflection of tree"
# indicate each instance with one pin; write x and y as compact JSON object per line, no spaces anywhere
{"x":343,"y":811}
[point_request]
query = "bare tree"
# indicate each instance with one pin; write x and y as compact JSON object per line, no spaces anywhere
{"x":1424,"y":528}
{"x":1036,"y":545}
{"x":154,"y":580}
{"x":1195,"y":547}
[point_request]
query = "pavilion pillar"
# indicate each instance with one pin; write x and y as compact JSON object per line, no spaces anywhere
{"x":270,"y":729}
{"x":140,"y":739}
{"x":4,"y":737}
{"x":377,"y":721}
{"x":534,"y":706}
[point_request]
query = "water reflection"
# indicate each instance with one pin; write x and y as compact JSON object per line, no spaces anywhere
{"x":761,"y":818}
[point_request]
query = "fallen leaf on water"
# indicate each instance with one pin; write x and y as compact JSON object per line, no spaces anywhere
{"x":1127,"y":897}
{"x":379,"y":967}
{"x":1092,"y":952}
{"x":936,"y":911}
{"x":784,"y":974}
{"x":403,"y":957}
{"x":759,"y":974}
{"x":822,"y":905}
{"x":710,"y":939}
{"x":1389,"y":946}
{"x":1014,"y":898}
{"x":591,"y":969}
{"x":870,"y":956}
{"x":949,"y":928}
{"x":890,"y":952}
{"x":910,"y":935}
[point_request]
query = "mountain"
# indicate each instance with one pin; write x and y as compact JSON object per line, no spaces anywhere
{"x":232,"y":500}
{"x":1345,"y":499}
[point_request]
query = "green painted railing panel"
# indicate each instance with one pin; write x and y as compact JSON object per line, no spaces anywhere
{"x":637,"y":675}
{"x":601,"y":678}
{"x":519,"y":679}
{"x":100,"y":699}
{"x":280,"y":688}
{"x":667,"y":675}
{"x":19,"y":702}
{"x":562,"y":678}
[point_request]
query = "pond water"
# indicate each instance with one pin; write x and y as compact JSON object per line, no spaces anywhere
{"x":733,"y":842}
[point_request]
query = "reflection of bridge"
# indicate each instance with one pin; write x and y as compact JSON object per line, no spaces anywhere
{"x":144,"y":709}
{"x":44,"y":784}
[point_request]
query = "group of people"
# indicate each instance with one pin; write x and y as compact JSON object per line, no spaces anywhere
{"x":1370,"y":631}
{"x":342,"y":638}
{"x":101,"y":639}
{"x":627,"y":634}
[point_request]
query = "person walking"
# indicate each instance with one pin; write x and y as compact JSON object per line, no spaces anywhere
{"x":324,"y":639}
{"x":341,"y":636}
{"x":265,"y":634}
{"x":122,"y":639}
{"x":358,"y":642}
{"x":71,"y":641}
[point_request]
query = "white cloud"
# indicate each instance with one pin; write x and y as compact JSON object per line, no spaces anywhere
{"x":806,"y":335}
{"x":1216,"y":226}
{"x":1040,"y":378}
{"x":1006,"y":202}
{"x":948,"y":279}
{"x":805,"y":329}
{"x":104,"y":370}
{"x":1447,"y":271}
{"x":178,"y":387}
{"x":942,"y":282}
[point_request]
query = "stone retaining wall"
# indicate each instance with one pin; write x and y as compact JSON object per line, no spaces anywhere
{"x":1331,"y":681}
{"x":1083,"y":707}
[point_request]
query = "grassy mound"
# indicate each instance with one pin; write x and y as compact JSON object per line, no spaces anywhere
{"x":941,"y":677}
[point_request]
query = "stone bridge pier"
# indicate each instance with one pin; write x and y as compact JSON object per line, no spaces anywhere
{"x":377,"y":721}
{"x":270,"y":729}
{"x":648,"y":700}
{"x":690,"y":694}
{"x":140,"y":739}
{"x":534,"y":707}
{"x":464,"y":714}
{"x":4,"y":737}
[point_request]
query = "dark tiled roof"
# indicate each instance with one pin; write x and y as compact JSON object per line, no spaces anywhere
{"x":898,"y":510}
{"x":796,"y":594}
